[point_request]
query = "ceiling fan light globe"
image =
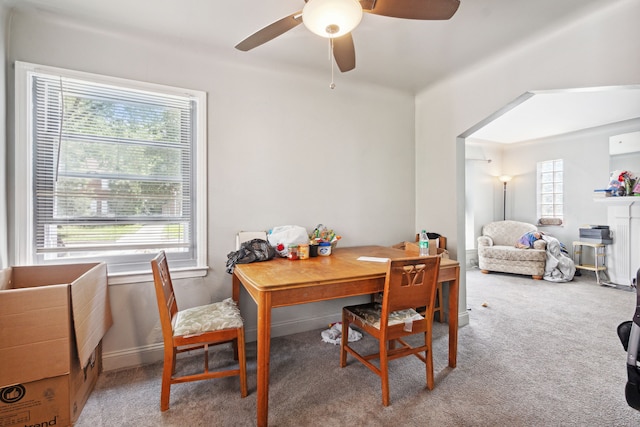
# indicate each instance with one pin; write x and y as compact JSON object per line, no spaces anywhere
{"x":331,"y":18}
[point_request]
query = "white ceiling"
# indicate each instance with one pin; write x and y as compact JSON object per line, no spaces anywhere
{"x":551,"y":113}
{"x":403,"y":54}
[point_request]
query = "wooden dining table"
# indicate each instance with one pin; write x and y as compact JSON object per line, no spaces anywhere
{"x":281,"y":282}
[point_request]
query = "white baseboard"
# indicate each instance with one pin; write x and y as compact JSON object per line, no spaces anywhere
{"x":295,"y":326}
{"x":463,"y":319}
{"x":152,"y":353}
{"x":132,"y":357}
{"x":472,"y":258}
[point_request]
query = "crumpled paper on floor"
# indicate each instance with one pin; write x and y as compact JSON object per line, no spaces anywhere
{"x":333,"y":335}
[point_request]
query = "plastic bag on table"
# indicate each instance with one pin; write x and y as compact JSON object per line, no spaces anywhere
{"x":283,"y":236}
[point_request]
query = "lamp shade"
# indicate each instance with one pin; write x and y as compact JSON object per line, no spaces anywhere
{"x":504,"y":178}
{"x":331,"y":18}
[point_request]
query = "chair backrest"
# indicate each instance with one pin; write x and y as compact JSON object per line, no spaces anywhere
{"x":410,"y":283}
{"x":245,"y":236}
{"x":167,"y":304}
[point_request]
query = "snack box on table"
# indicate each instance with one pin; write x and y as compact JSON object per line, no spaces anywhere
{"x":412,"y":248}
{"x":52,"y":320}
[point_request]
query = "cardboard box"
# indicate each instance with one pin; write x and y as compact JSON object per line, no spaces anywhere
{"x":412,"y":248}
{"x":56,"y":401}
{"x":434,"y":244}
{"x":52,"y":320}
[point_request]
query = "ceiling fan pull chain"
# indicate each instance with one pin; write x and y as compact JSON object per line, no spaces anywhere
{"x":332,"y":85}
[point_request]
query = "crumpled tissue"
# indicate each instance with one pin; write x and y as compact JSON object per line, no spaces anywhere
{"x":333,"y":335}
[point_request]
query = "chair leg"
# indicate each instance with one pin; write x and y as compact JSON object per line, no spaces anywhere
{"x":440,"y":302}
{"x":168,"y":369}
{"x":344,"y":341}
{"x":239,"y":345}
{"x":429,"y":359}
{"x":384,"y":372}
{"x":234,"y":344}
{"x":173,"y":361}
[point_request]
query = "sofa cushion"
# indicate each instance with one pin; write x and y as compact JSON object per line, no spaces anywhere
{"x":512,"y":253}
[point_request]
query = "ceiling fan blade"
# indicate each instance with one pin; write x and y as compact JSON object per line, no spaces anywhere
{"x":412,"y":9}
{"x":270,"y":32}
{"x":344,"y":52}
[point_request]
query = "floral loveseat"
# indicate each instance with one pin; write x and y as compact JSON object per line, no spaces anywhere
{"x":497,"y":249}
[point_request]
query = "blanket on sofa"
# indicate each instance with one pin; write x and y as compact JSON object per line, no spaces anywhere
{"x":559,"y":267}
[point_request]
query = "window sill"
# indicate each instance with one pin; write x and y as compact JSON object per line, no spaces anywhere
{"x":180,"y":273}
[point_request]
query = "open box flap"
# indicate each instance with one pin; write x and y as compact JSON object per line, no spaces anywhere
{"x":91,"y":310}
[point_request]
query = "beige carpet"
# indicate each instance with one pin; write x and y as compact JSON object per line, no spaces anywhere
{"x":538,"y":354}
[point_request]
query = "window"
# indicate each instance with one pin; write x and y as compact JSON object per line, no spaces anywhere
{"x":113,"y":170}
{"x":550,"y":190}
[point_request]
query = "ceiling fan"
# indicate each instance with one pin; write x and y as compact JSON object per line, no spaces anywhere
{"x":335,"y":19}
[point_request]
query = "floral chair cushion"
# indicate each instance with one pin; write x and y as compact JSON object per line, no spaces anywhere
{"x":370,"y":314}
{"x":212,"y":317}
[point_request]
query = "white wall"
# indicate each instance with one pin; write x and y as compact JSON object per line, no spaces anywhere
{"x":282,"y":149}
{"x":483,"y":197}
{"x":586,"y":167}
{"x":3,"y":141}
{"x":483,"y":194}
{"x":364,"y":133}
{"x":597,"y":50}
{"x":627,"y":161}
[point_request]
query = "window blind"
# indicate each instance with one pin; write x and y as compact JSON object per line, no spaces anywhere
{"x":113,"y":170}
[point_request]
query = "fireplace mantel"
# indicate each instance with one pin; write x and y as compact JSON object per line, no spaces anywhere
{"x":621,"y":201}
{"x":623,"y":256}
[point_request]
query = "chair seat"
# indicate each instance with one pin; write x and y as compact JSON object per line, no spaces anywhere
{"x":212,"y":317}
{"x":370,"y":314}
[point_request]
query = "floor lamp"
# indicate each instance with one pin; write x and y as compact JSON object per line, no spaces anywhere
{"x":504,"y":179}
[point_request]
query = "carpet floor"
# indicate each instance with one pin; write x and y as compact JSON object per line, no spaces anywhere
{"x":535,"y":353}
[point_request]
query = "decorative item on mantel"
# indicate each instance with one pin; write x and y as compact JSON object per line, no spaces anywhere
{"x":621,"y":183}
{"x":627,"y":179}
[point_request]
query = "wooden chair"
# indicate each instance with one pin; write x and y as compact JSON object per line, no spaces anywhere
{"x":410,"y":283}
{"x":194,"y":328}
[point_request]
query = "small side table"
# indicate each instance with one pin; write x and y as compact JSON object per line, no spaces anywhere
{"x":599,"y":257}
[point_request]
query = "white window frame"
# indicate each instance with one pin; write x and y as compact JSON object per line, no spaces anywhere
{"x":25,"y":249}
{"x":554,"y":182}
